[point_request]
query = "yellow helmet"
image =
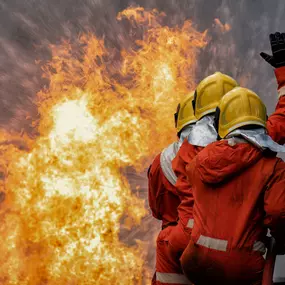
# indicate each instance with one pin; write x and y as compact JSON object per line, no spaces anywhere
{"x":209,"y":93}
{"x":185,"y":114}
{"x":240,"y":107}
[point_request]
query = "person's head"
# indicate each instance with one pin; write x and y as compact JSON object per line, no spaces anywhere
{"x":184,"y":115}
{"x":239,"y":108}
{"x":209,"y":93}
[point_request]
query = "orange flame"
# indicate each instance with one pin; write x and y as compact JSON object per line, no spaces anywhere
{"x":223,"y":27}
{"x":67,"y":195}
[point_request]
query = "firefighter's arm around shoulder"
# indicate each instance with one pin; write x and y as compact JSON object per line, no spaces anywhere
{"x":184,"y":156}
{"x":178,"y":166}
{"x":274,"y":206}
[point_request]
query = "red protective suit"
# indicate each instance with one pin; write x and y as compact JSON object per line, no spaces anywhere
{"x":275,"y":127}
{"x":163,"y":202}
{"x":162,"y":197}
{"x":276,"y":122}
{"x":180,"y":235}
{"x":227,"y":240}
{"x":176,"y":238}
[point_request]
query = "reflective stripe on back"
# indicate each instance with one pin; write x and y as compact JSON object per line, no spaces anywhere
{"x":172,"y":278}
{"x":221,"y":245}
{"x":214,"y":243}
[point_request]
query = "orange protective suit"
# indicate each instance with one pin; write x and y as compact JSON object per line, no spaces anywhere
{"x":237,"y":190}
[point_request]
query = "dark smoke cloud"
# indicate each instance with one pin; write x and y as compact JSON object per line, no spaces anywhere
{"x":27,"y":27}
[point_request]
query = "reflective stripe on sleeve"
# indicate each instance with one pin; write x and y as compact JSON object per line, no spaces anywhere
{"x":259,"y":246}
{"x":190,"y":223}
{"x":281,"y":91}
{"x":172,"y":278}
{"x":214,"y":243}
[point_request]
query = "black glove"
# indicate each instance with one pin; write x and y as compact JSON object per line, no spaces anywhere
{"x":277,"y":59}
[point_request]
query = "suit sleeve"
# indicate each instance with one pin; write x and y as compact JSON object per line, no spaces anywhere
{"x":276,"y":122}
{"x":155,"y":186}
{"x":184,"y":156}
{"x":179,"y":168}
{"x":274,"y":205}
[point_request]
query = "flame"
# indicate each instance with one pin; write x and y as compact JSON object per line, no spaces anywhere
{"x":223,"y":27}
{"x":66,"y":193}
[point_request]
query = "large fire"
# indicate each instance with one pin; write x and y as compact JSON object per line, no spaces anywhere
{"x":66,"y":194}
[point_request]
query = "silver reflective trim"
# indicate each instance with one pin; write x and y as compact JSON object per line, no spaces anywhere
{"x":233,"y":141}
{"x":279,"y":272}
{"x":203,"y":132}
{"x":166,"y":157}
{"x":259,"y":246}
{"x":281,"y":91}
{"x":169,"y":153}
{"x":172,"y":278}
{"x":186,"y":132}
{"x":213,"y":243}
{"x":221,"y":245}
{"x":190,"y":223}
{"x":259,"y":138}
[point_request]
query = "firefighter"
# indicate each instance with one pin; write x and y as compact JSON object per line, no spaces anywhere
{"x":204,"y":133}
{"x":207,"y":96}
{"x":206,"y":99}
{"x":238,"y":186}
{"x":163,"y":198}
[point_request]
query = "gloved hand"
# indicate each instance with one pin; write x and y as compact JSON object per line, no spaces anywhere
{"x":277,"y":59}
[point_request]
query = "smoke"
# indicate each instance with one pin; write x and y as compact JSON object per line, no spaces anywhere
{"x":28,"y":27}
{"x":238,"y":32}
